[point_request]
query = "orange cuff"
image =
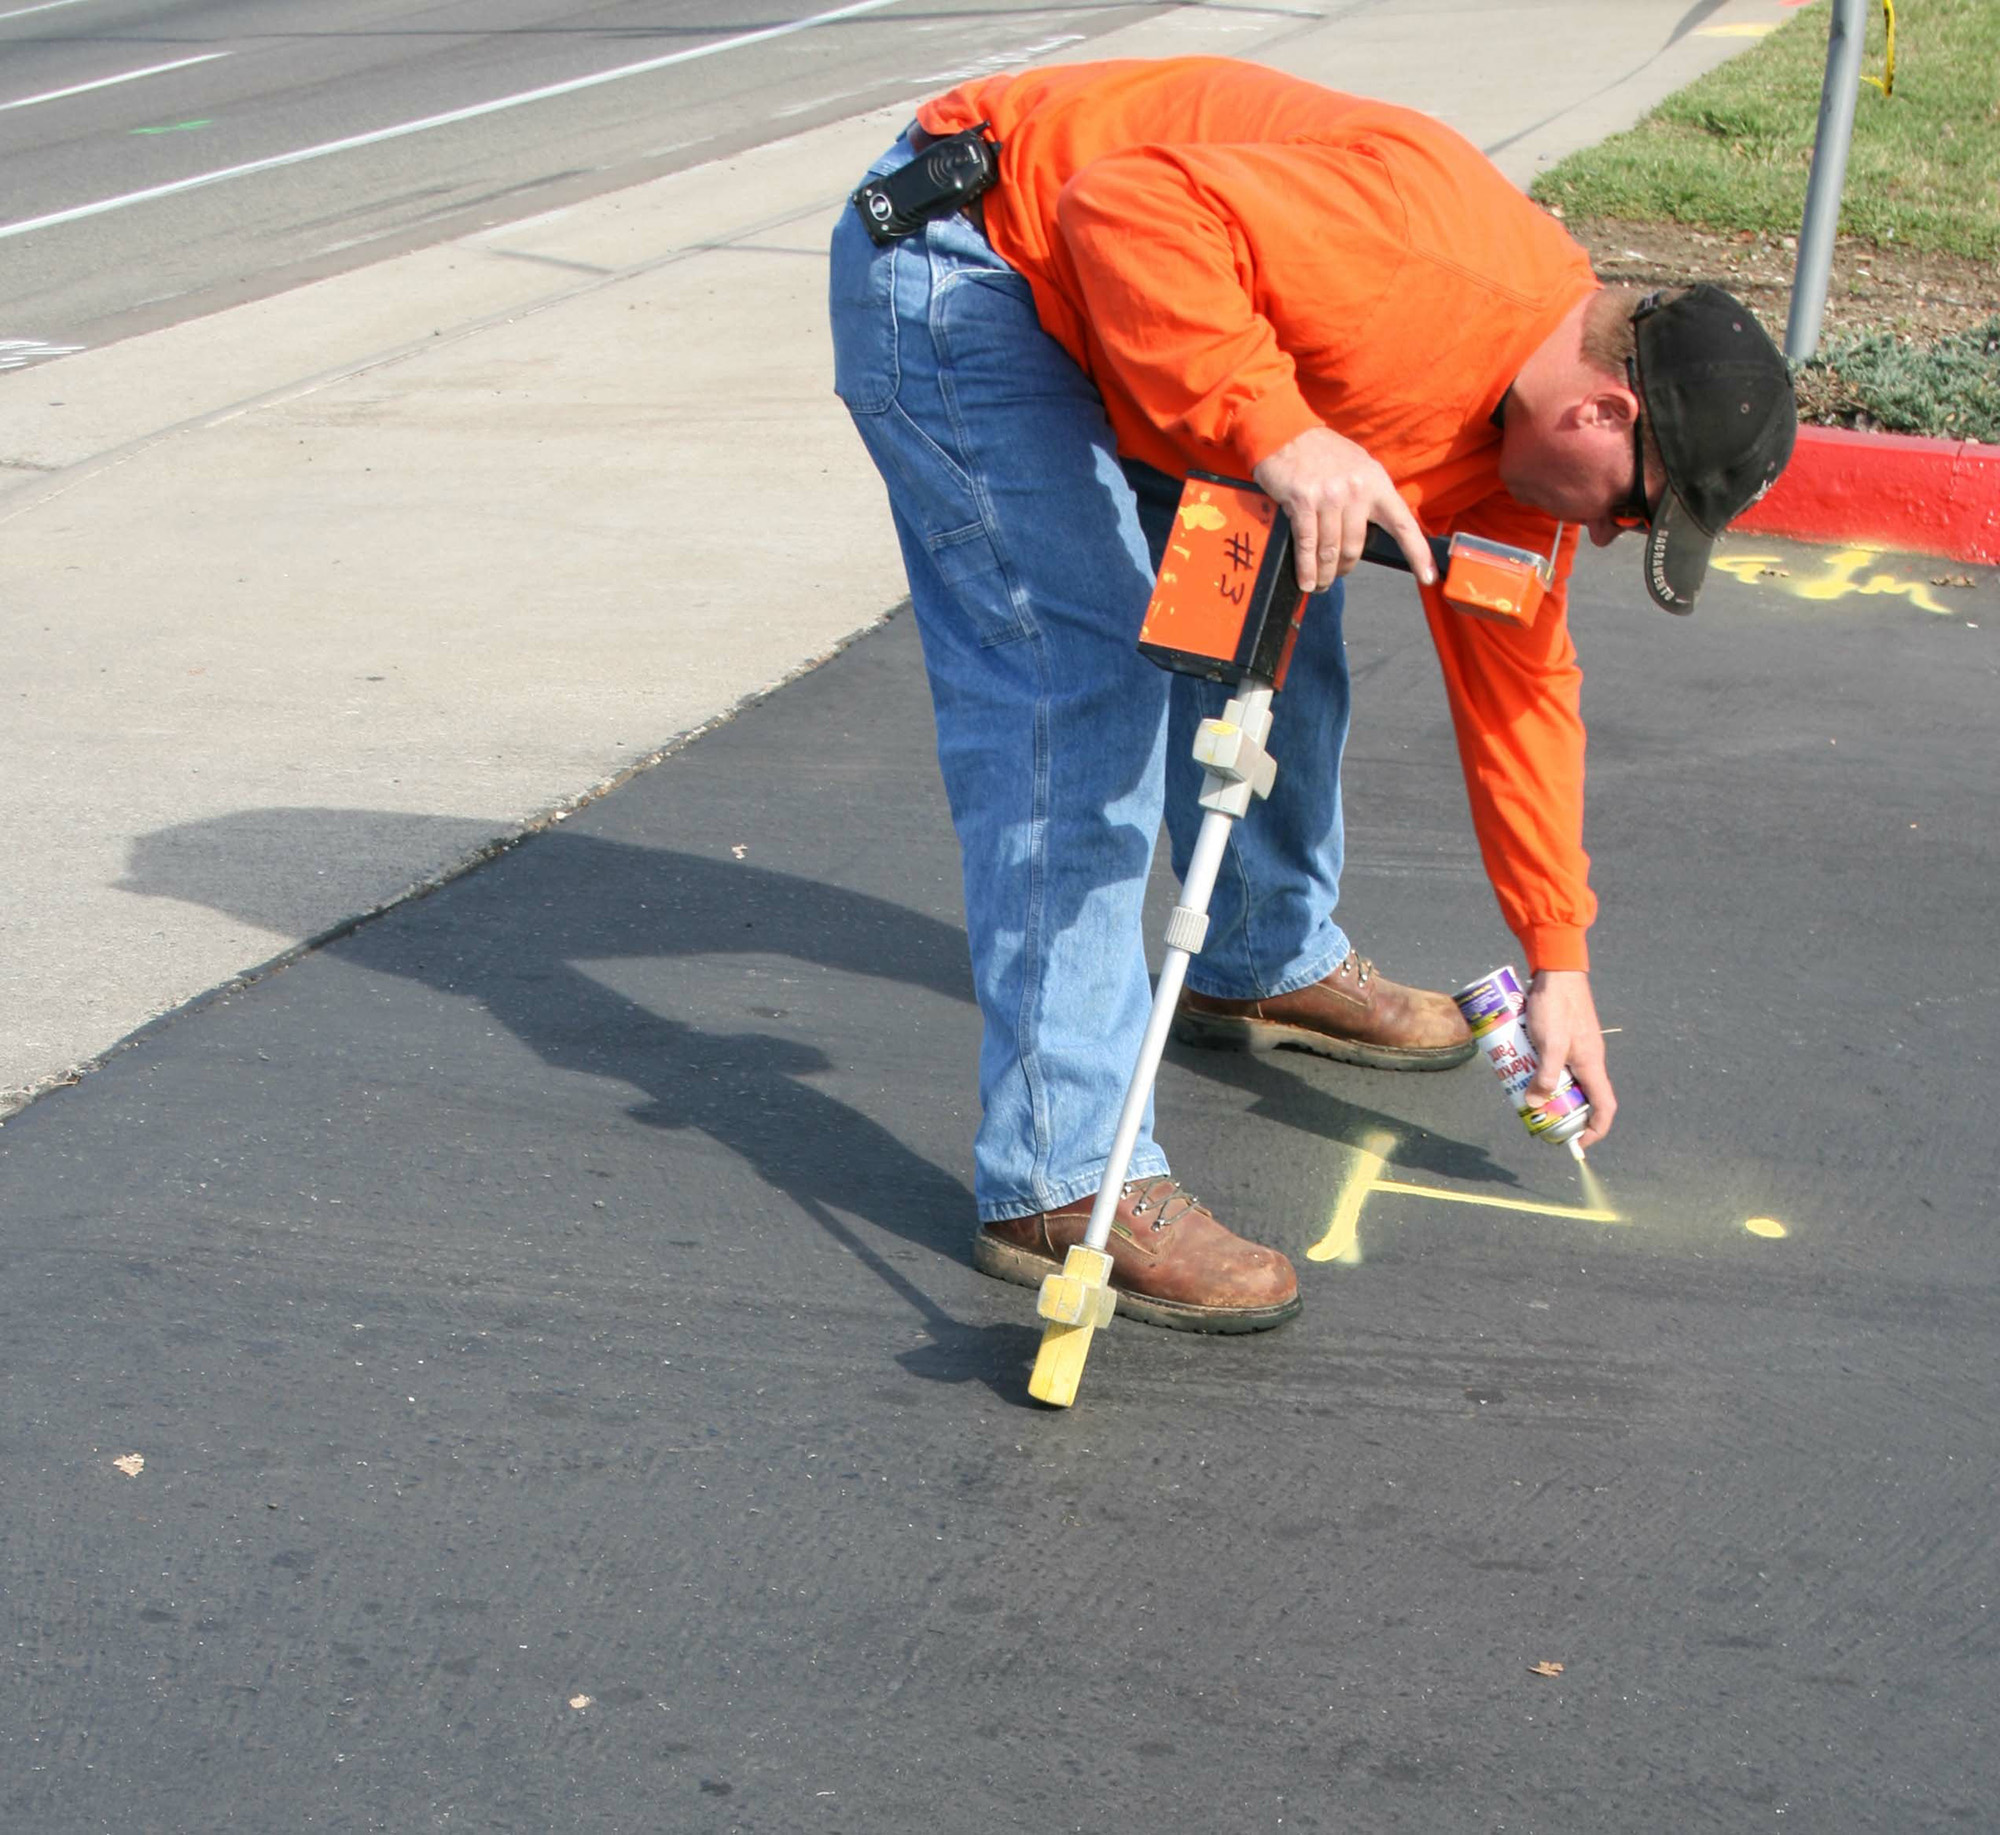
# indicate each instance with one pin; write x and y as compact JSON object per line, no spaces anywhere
{"x":1265,"y":425}
{"x":1555,"y":946}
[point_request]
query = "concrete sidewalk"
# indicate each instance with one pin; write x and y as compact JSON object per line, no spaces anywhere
{"x":465,"y":537}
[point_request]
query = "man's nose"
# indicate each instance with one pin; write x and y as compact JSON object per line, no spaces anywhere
{"x":1603,"y":532}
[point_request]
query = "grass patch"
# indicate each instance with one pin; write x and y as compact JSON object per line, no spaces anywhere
{"x":1732,"y":150}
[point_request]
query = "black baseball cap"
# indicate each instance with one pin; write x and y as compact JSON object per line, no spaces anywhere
{"x":1718,"y":394}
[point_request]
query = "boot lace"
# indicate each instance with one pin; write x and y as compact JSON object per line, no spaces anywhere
{"x":1162,"y":1198}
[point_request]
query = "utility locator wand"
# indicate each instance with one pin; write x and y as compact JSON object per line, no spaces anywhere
{"x":1227,"y":607}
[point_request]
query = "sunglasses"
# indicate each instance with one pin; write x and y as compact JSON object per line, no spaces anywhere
{"x":1632,"y":511}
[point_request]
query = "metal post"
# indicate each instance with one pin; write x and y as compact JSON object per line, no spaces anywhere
{"x":1829,"y":174}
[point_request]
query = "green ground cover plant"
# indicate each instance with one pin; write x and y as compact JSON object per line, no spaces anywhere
{"x":1951,"y":387}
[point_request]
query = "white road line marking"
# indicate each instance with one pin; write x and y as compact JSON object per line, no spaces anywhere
{"x":18,"y":353}
{"x":80,"y":211}
{"x":1000,"y":60}
{"x":105,"y":82}
{"x":47,"y":6}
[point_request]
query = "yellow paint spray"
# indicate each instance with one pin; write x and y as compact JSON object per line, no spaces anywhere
{"x":1594,"y":1194}
{"x":1842,"y":577}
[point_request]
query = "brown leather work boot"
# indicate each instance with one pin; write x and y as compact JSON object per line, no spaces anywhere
{"x":1354,"y":1015}
{"x":1171,"y":1262}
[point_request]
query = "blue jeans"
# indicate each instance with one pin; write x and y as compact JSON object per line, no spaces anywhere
{"x":1030,"y":551}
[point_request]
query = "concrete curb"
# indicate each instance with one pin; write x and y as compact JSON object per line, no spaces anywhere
{"x":1886,"y":490}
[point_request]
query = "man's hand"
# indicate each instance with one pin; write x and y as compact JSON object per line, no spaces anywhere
{"x":1331,"y":490}
{"x":1562,"y":1027}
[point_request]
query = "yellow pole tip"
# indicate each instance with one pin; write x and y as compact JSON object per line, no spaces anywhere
{"x":1059,"y":1363}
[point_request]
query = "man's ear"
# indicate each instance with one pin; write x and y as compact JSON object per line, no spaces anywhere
{"x":1611,"y":405}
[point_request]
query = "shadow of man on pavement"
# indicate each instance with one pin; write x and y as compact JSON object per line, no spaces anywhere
{"x":512,"y":934}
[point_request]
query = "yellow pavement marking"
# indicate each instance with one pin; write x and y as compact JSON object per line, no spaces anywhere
{"x":1841,"y":578}
{"x":1341,"y":1241}
{"x":1766,"y":1226}
{"x":1580,"y":1212}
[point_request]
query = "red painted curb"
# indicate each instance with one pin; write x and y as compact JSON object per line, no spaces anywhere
{"x":1886,"y":490}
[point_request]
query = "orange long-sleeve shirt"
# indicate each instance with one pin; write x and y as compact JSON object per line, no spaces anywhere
{"x":1234,"y":256}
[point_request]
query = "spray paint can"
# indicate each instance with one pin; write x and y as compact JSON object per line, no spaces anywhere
{"x":1493,"y":1006}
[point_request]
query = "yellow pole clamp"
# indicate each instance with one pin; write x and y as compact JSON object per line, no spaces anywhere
{"x":1076,"y":1303}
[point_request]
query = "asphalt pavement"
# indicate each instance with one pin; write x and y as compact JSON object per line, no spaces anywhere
{"x":160,"y":162}
{"x":545,"y":1319}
